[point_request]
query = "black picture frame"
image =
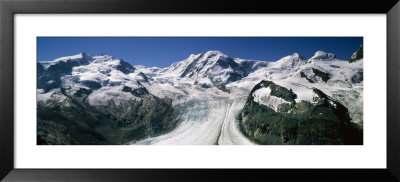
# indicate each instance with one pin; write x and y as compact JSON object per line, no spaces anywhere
{"x":9,"y":8}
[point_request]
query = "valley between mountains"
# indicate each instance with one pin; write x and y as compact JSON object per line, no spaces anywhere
{"x":206,"y":99}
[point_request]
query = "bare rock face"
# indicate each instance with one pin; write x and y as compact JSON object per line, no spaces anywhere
{"x":324,"y":121}
{"x":357,"y":55}
{"x":77,"y":122}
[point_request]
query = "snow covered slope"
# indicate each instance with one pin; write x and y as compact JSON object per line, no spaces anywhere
{"x":102,"y":78}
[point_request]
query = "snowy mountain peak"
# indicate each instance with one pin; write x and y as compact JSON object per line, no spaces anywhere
{"x":321,"y":55}
{"x":100,"y":78}
{"x":81,"y":58}
{"x":84,"y":54}
{"x":214,"y":53}
{"x":203,"y":64}
{"x":203,"y":55}
{"x":295,"y":55}
{"x":358,"y":55}
{"x":103,"y":58}
{"x":289,"y":62}
{"x":212,"y":67}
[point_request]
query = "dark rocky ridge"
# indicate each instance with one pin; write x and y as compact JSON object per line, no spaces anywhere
{"x":359,"y":54}
{"x":125,"y":67}
{"x":324,"y":76}
{"x":324,"y":122}
{"x":84,"y":124}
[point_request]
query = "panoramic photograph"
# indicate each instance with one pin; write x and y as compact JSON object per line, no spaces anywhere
{"x":199,"y":91}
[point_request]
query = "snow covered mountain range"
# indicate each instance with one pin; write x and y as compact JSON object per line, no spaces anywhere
{"x":85,"y":99}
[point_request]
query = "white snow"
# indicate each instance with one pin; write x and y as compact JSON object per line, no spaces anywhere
{"x":104,"y":96}
{"x":230,"y":132}
{"x":53,"y":95}
{"x":321,"y":55}
{"x":47,"y":64}
{"x":264,"y":97}
{"x":205,"y":82}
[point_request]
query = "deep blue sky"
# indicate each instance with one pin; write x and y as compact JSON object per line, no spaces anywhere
{"x":162,"y":51}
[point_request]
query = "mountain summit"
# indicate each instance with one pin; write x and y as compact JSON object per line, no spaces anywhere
{"x":291,"y":61}
{"x":322,"y":56}
{"x":357,"y":55}
{"x":213,"y":67}
{"x":97,"y":76}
